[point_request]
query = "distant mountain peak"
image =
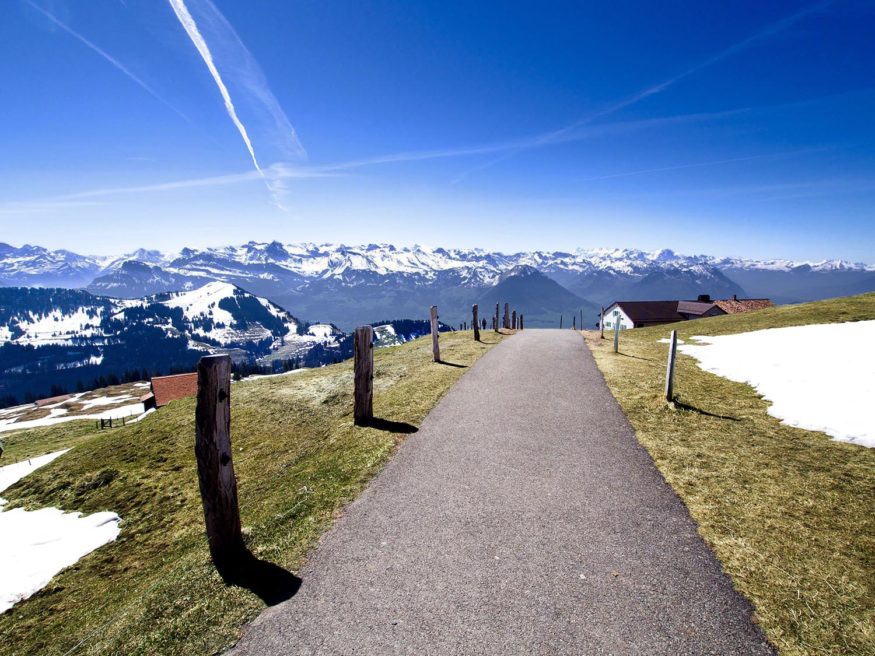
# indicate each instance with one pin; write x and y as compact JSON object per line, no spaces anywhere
{"x":520,"y":271}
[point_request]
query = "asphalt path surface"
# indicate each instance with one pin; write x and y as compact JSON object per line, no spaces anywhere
{"x":522,"y":518}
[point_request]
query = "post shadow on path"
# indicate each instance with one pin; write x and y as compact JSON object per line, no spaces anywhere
{"x":452,"y":364}
{"x":269,"y":581}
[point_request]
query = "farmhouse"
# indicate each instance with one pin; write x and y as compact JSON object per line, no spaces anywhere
{"x":638,"y":314}
{"x":169,"y":388}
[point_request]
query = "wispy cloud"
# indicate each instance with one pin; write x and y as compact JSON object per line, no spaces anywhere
{"x":696,"y":165}
{"x":248,"y":77}
{"x":555,"y":136}
{"x":512,"y":146}
{"x":112,"y":60}
{"x":282,"y":172}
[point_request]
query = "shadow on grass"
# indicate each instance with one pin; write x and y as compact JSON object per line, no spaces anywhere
{"x":391,"y":426}
{"x":680,"y":405}
{"x":270,"y":582}
{"x":452,"y":364}
{"x":637,"y":357}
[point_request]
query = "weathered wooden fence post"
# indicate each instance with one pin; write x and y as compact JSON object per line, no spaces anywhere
{"x":475,"y":321}
{"x":212,"y":448}
{"x":521,"y":322}
{"x":581,"y":318}
{"x":513,"y":320}
{"x":669,"y":371}
{"x":617,"y":325}
{"x":496,"y":318}
{"x":435,"y":345}
{"x":574,"y":322}
{"x":507,"y":315}
{"x":363,"y":405}
{"x":602,"y":322}
{"x":560,"y":321}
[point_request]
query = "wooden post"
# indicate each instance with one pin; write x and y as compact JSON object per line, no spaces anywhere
{"x":513,"y":320}
{"x":475,"y":321}
{"x":435,"y":346}
{"x":669,"y":371}
{"x":496,"y":318}
{"x":617,"y":335}
{"x":363,"y":344}
{"x":602,"y":322}
{"x":507,"y":315}
{"x":560,"y":322}
{"x":574,"y":322}
{"x":581,"y":318}
{"x":521,"y":322}
{"x":212,"y":448}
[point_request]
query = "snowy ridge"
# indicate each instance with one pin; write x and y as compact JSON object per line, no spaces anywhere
{"x":214,"y":317}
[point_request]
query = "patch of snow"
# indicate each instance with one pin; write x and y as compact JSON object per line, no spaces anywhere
{"x":38,"y":544}
{"x":666,"y":340}
{"x":142,"y":416}
{"x":819,"y":377}
{"x":321,"y":330}
{"x":11,"y":474}
{"x":284,"y":373}
{"x":105,"y":400}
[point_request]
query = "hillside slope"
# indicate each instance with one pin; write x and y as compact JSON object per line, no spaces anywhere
{"x":298,"y":460}
{"x":788,"y":512}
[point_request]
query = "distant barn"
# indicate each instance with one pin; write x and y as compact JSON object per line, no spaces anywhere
{"x":169,"y":388}
{"x":639,"y":314}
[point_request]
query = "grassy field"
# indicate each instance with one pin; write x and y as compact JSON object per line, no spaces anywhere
{"x":298,"y":460}
{"x":790,"y":513}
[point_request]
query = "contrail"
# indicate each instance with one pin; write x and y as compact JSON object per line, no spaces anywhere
{"x":194,"y":34}
{"x":735,"y":48}
{"x":112,"y":60}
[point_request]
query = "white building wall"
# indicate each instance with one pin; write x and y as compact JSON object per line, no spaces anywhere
{"x":613,"y":315}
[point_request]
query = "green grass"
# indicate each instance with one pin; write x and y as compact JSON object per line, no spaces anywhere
{"x":789,"y":513}
{"x":298,"y":460}
{"x":25,"y":444}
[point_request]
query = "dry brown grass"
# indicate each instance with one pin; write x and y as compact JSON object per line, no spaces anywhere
{"x":790,"y":513}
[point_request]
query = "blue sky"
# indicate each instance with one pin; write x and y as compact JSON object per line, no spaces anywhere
{"x":740,"y":128}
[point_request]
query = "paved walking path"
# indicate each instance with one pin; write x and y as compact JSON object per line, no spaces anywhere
{"x":523,"y":518}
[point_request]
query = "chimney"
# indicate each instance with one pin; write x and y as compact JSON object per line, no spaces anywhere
{"x":704,"y":298}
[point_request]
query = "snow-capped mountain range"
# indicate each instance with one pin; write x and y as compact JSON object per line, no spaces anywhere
{"x":37,"y":266}
{"x":358,"y":284}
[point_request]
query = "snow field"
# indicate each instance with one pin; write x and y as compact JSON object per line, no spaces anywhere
{"x":819,"y":377}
